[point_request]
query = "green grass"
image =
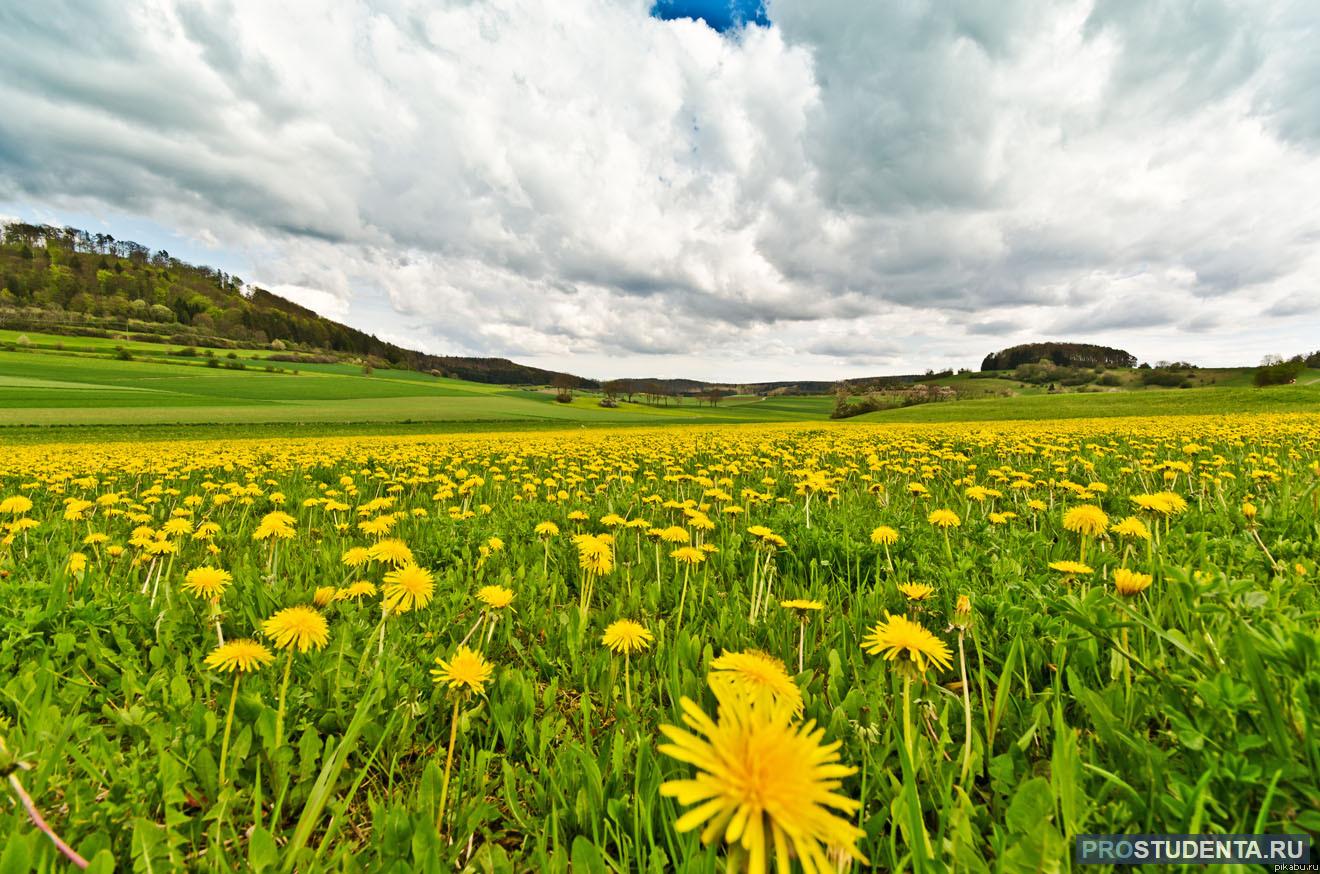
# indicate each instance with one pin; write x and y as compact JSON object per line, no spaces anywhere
{"x":1059,"y":708}
{"x":51,"y":387}
{"x":1081,"y":405}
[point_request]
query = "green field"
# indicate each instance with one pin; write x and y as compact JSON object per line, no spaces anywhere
{"x":1303,"y":397}
{"x":49,"y":387}
{"x":83,"y":392}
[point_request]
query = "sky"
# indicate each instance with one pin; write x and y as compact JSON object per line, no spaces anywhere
{"x":736,"y":191}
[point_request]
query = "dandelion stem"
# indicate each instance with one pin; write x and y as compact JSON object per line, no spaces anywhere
{"x":229,"y":725}
{"x":967,"y":710}
{"x":682,"y":600}
{"x":449,"y":763}
{"x":284,"y":690}
{"x":802,"y":633}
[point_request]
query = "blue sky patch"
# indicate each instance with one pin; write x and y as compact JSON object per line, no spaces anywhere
{"x":720,"y":15}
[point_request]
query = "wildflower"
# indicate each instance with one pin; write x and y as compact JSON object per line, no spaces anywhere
{"x":237,"y":657}
{"x":408,"y":588}
{"x":1087,"y":519}
{"x":15,"y":505}
{"x":1071,"y":568}
{"x":391,"y":551}
{"x":916,"y":591}
{"x":300,"y":628}
{"x":360,"y":589}
{"x":759,"y":677}
{"x":900,"y":639}
{"x":944,"y":519}
{"x":1132,"y":528}
{"x":243,"y":656}
{"x":357,"y":556}
{"x":1129,"y":583}
{"x":762,"y":785}
{"x":884,"y":536}
{"x":688,"y":555}
{"x":495,"y":597}
{"x":467,"y":671}
{"x":962,"y":612}
{"x":206,"y":582}
{"x":625,"y":636}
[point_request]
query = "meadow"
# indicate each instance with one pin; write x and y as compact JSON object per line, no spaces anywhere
{"x":816,"y":647}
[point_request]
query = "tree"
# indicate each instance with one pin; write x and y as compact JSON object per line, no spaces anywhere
{"x":563,"y":386}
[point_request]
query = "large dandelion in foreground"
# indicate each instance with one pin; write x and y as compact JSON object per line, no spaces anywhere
{"x":768,"y":788}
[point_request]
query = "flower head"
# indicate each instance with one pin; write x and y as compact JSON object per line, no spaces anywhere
{"x":1128,"y":583}
{"x":595,"y":555}
{"x":1132,"y":528}
{"x":1087,"y":519}
{"x":801,"y":606}
{"x":884,"y":536}
{"x":762,"y":784}
{"x":467,"y":670}
{"x":301,"y":628}
{"x":207,"y":583}
{"x":688,"y":555}
{"x":625,"y":636}
{"x":1071,"y":568}
{"x":239,"y":655}
{"x":760,"y":678}
{"x":916,"y":591}
{"x":391,"y":551}
{"x":408,"y":588}
{"x":495,"y":597}
{"x":944,"y":519}
{"x":898,"y":638}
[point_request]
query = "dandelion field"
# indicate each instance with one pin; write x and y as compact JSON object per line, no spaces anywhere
{"x":766,"y":647}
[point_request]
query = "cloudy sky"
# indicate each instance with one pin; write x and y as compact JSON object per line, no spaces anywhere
{"x":816,"y":188}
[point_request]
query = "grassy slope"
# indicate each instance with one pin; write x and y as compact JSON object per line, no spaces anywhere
{"x":46,"y":386}
{"x":1305,"y":396}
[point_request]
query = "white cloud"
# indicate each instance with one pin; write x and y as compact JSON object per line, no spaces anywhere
{"x":584,"y":186}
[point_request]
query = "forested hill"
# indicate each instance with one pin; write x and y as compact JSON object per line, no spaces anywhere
{"x":71,"y":281}
{"x":1062,"y":354}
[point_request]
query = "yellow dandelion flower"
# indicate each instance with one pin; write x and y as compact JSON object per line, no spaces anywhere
{"x":761,"y":678}
{"x":944,"y":519}
{"x":1129,"y":583}
{"x":763,"y":785}
{"x":884,"y":536}
{"x":916,"y":591}
{"x":244,"y":656}
{"x":206,"y":582}
{"x":1086,"y":519}
{"x":466,"y":671}
{"x":626,"y":636}
{"x":900,"y":639}
{"x":299,"y":627}
{"x":495,"y":597}
{"x":408,"y":588}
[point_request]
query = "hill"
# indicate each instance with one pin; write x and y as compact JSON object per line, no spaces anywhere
{"x":69,"y":281}
{"x":1061,"y":354}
